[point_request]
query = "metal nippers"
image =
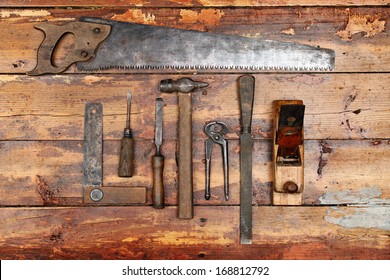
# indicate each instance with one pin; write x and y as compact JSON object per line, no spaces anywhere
{"x":216,"y":131}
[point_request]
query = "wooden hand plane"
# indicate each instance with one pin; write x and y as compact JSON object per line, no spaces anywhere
{"x":288,"y":152}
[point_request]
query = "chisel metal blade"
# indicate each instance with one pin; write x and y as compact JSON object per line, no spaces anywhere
{"x":159,"y":124}
{"x":138,"y":46}
{"x":246,"y":94}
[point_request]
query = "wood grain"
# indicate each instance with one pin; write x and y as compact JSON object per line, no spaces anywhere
{"x":336,"y":172}
{"x":359,"y":36}
{"x":185,"y":158}
{"x":347,"y":147}
{"x":338,"y":106}
{"x":137,"y":233}
{"x":187,"y":3}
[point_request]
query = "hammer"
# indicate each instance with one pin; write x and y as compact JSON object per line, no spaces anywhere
{"x":184,"y":86}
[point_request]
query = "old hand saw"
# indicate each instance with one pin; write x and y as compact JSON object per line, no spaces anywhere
{"x":104,"y":44}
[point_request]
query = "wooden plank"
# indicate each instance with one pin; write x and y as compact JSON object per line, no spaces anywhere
{"x":338,"y":106}
{"x":136,"y":233}
{"x":358,"y":35}
{"x":336,"y":172}
{"x":188,"y":3}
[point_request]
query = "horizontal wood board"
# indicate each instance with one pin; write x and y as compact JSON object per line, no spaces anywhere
{"x":137,"y":233}
{"x":338,"y":106}
{"x":336,"y":172}
{"x":345,"y":212}
{"x":187,"y":3}
{"x":359,"y":36}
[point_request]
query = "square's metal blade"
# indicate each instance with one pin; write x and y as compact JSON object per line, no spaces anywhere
{"x":93,"y":145}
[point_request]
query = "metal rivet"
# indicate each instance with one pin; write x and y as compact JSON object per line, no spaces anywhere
{"x":96,"y":30}
{"x":84,"y":54}
{"x":96,"y":195}
{"x":290,"y":187}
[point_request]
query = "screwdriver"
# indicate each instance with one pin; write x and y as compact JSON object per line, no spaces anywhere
{"x":126,"y":156}
{"x":158,"y":159}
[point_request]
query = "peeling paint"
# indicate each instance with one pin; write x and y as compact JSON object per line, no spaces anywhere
{"x":349,"y":99}
{"x":24,"y":13}
{"x":325,"y":150}
{"x":368,"y":195}
{"x":288,"y":31}
{"x":130,"y":239}
{"x":307,"y":79}
{"x":90,"y":79}
{"x":188,"y":238}
{"x":63,"y":79}
{"x":136,"y":16}
{"x":208,"y":17}
{"x":250,"y":35}
{"x":362,"y":217}
{"x":365,"y":24}
{"x":9,"y":79}
{"x":46,"y":193}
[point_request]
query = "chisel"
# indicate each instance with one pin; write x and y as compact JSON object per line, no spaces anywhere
{"x":246,"y":92}
{"x":158,"y":159}
{"x":126,"y":157}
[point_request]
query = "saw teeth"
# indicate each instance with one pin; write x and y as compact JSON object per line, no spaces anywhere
{"x":216,"y":67}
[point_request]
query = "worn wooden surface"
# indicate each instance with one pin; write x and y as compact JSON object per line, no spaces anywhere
{"x":346,"y":202}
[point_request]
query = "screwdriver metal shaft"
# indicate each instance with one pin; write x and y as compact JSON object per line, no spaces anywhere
{"x":126,"y":157}
{"x":158,"y":159}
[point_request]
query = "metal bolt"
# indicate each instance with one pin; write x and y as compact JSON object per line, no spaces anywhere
{"x":290,"y":187}
{"x":96,"y":195}
{"x":291,"y":121}
{"x":96,"y":30}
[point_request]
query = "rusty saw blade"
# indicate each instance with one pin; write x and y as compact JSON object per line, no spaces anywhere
{"x":104,"y":44}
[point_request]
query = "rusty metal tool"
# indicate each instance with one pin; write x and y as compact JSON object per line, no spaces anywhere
{"x":158,"y":159}
{"x":184,"y":87}
{"x":103,"y":44}
{"x":288,"y":152}
{"x":216,"y":131}
{"x":94,"y":192}
{"x":126,"y":156}
{"x":246,"y":92}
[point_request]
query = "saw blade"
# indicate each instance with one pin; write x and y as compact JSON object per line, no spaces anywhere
{"x":139,"y":46}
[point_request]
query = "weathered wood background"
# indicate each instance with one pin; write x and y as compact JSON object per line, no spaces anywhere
{"x":346,"y":209}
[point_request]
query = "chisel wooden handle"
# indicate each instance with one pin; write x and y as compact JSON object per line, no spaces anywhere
{"x":126,"y":157}
{"x":158,"y":187}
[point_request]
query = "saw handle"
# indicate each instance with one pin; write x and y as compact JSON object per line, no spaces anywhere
{"x":158,"y":187}
{"x":87,"y":37}
{"x":126,"y":158}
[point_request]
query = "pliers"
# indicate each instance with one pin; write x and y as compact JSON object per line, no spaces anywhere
{"x":216,"y":131}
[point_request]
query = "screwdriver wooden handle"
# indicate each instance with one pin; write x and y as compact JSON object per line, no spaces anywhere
{"x":158,"y":187}
{"x":126,"y":157}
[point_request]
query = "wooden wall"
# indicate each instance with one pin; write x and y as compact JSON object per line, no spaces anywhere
{"x":346,"y":206}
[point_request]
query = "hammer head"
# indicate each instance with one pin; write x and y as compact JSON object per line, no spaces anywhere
{"x":183,"y":85}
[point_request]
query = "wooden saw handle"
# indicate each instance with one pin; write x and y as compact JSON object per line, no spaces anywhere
{"x":87,"y":37}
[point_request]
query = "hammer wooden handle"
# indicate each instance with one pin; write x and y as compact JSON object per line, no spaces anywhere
{"x":126,"y":158}
{"x":158,"y":187}
{"x":186,"y":209}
